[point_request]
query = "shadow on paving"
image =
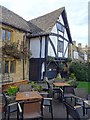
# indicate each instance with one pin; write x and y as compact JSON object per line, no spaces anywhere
{"x":59,"y":112}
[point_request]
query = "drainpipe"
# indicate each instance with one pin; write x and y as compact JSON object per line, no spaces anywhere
{"x":24,"y":38}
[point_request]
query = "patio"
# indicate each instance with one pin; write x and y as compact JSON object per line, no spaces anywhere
{"x":59,"y":111}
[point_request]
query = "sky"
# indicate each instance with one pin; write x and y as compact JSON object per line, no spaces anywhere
{"x":77,"y":13}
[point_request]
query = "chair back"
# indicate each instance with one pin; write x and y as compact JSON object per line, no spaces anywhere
{"x":81,"y":92}
{"x":68,"y":89}
{"x":32,"y":109}
{"x":71,"y":111}
{"x":88,"y":97}
{"x":25,"y":87}
{"x":50,"y":92}
{"x":4,"y":99}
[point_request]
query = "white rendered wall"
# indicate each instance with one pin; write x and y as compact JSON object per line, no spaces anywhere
{"x":75,"y":55}
{"x":50,"y":49}
{"x":65,"y":49}
{"x":85,"y":57}
{"x":54,"y":41}
{"x":42,"y":70}
{"x":35,"y":47}
{"x":43,"y":48}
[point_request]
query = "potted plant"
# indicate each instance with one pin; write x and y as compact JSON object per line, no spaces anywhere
{"x":12,"y":90}
{"x":72,"y":80}
{"x":35,"y":86}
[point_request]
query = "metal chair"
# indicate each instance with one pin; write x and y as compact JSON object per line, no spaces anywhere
{"x":30,"y":109}
{"x":47,"y":101}
{"x":71,"y":111}
{"x":9,"y":107}
{"x":50,"y":85}
{"x":68,"y":92}
{"x":82,"y":99}
{"x":25,"y":87}
{"x":74,"y":112}
{"x":87,"y":103}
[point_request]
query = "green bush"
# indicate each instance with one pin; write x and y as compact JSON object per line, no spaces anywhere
{"x":12,"y":90}
{"x":80,"y":70}
{"x":72,"y":80}
{"x":35,"y":86}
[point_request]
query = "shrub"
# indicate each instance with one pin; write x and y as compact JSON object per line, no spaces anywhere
{"x":12,"y":90}
{"x":80,"y":70}
{"x":72,"y":80}
{"x":35,"y":86}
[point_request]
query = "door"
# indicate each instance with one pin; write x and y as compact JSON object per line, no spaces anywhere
{"x":34,"y":70}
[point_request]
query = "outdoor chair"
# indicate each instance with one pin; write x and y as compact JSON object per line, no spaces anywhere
{"x":50,"y":85}
{"x":87,"y":103}
{"x":82,"y":98}
{"x":25,"y":87}
{"x":47,"y":101}
{"x":68,"y":92}
{"x":10,"y":107}
{"x":30,"y":109}
{"x":74,"y":112}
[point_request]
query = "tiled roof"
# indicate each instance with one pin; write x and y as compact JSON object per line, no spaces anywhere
{"x":10,"y":18}
{"x":46,"y":22}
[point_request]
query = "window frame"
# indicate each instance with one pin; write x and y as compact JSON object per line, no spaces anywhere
{"x":6,"y":35}
{"x":3,"y":34}
{"x":9,"y":69}
{"x":6,"y":67}
{"x":12,"y":69}
{"x":60,"y":46}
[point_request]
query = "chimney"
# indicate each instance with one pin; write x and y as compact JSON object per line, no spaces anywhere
{"x":74,"y":42}
{"x":79,"y":45}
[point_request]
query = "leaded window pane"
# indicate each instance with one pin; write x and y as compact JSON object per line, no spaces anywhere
{"x":12,"y":67}
{"x":9,"y":35}
{"x":3,"y":35}
{"x":6,"y":66}
{"x":60,"y":46}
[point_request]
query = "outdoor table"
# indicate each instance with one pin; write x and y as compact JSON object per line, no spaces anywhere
{"x":31,"y":95}
{"x":61,"y":84}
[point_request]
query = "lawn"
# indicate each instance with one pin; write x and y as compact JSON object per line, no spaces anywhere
{"x":85,"y":85}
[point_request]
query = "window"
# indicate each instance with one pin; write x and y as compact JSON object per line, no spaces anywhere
{"x":60,"y":46}
{"x":12,"y":66}
{"x":6,"y":66}
{"x":60,"y":27}
{"x":6,"y":35}
{"x":9,"y":35}
{"x":3,"y":35}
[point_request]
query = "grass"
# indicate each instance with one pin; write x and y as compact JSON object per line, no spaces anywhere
{"x":85,"y":85}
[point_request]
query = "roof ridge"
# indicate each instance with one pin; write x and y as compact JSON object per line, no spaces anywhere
{"x":13,"y":12}
{"x":48,"y":13}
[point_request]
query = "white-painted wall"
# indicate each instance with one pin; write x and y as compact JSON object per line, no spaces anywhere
{"x":35,"y":47}
{"x":42,"y":70}
{"x":65,"y":46}
{"x":50,"y":49}
{"x":75,"y":55}
{"x":55,"y":42}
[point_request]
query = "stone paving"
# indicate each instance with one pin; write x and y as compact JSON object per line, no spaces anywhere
{"x":59,"y":111}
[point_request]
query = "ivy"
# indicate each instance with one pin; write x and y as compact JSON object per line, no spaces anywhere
{"x":12,"y":49}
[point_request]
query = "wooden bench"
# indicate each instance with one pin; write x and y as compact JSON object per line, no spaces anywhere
{"x":18,"y":83}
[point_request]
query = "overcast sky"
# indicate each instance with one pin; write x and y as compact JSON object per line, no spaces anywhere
{"x":77,"y":13}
